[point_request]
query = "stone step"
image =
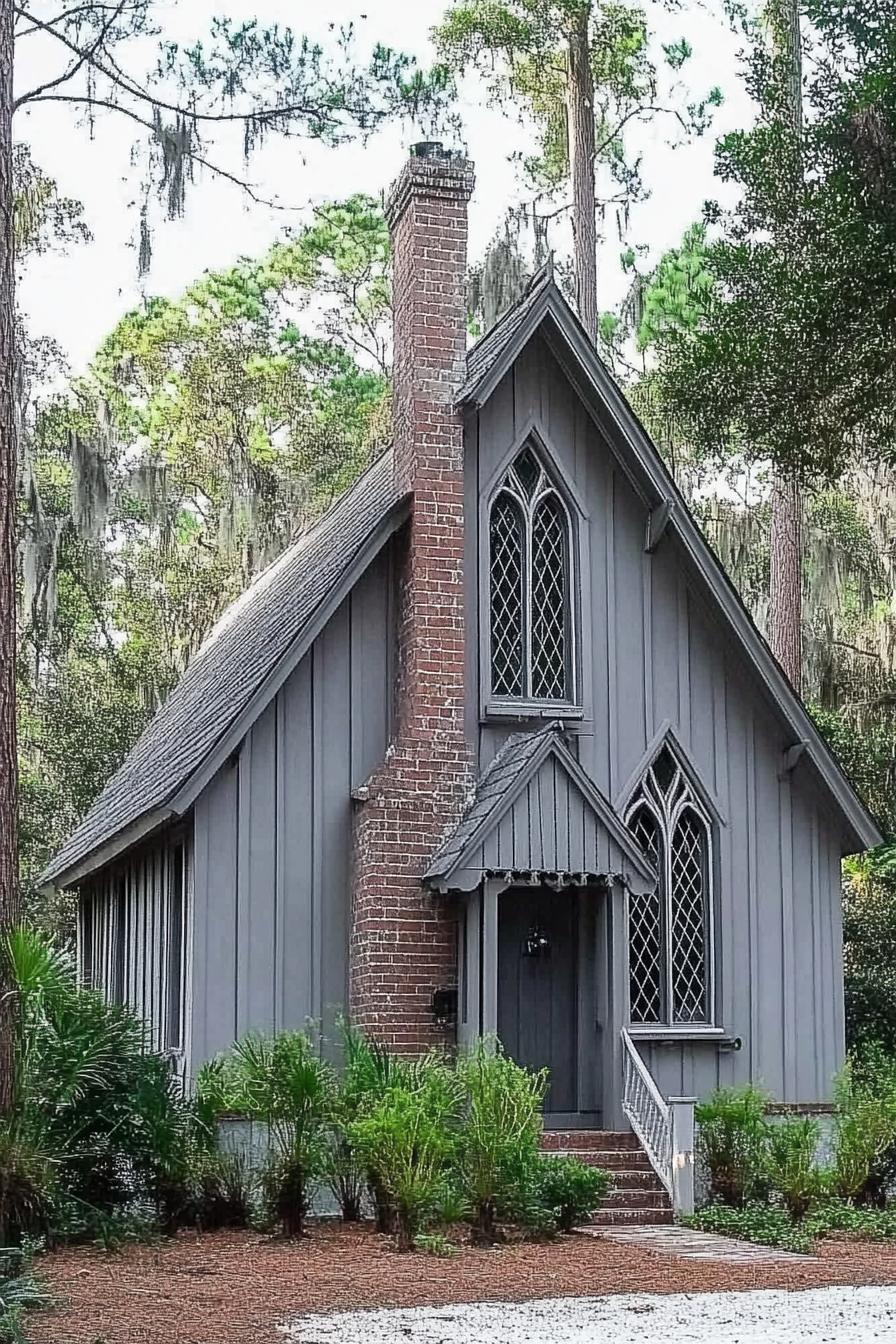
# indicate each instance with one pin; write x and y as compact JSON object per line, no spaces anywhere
{"x":626,"y":1159}
{"x":636,"y":1199}
{"x":577,"y":1140}
{"x":636,"y":1180}
{"x":612,"y":1217}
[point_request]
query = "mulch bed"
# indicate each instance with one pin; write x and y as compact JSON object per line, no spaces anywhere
{"x":230,"y":1287}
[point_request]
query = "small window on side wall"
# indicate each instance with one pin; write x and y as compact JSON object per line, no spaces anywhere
{"x":530,"y":586}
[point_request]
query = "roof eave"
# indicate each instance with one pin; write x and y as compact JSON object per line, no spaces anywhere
{"x":75,"y":873}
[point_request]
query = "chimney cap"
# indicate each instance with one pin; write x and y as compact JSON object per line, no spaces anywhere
{"x":429,"y":149}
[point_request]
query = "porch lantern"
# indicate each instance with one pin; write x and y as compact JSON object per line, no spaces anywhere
{"x":537,"y":944}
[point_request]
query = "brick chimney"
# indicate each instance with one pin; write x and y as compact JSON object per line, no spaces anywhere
{"x":403,"y":944}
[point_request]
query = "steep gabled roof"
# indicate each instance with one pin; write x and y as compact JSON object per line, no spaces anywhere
{"x":543,"y":308}
{"x":246,"y":649}
{"x":509,"y":828}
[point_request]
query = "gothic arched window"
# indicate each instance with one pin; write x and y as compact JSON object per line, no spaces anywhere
{"x":670,"y":929}
{"x":529,"y":581}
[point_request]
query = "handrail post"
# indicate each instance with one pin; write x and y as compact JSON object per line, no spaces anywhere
{"x":682,"y":1154}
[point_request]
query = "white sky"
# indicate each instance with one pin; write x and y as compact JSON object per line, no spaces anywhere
{"x":77,"y":298}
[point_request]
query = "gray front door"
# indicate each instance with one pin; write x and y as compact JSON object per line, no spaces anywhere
{"x":538,"y":986}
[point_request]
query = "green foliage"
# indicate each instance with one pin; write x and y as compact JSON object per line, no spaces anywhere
{"x":865,"y":1128}
{"x":519,"y":47}
{"x":731,"y":1142}
{"x":789,"y":361}
{"x":283,"y":1083}
{"x":569,"y":1190}
{"x":771,"y":1226}
{"x":501,"y":1132}
{"x":434,"y":1243}
{"x":19,"y":1292}
{"x":869,"y":950}
{"x":763,"y":1223}
{"x":98,"y":1121}
{"x":790,"y":1165}
{"x":407,"y":1139}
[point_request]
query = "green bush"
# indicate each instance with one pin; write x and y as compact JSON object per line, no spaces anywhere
{"x":865,"y":1129}
{"x":791,"y":1169}
{"x":500,"y":1135}
{"x":568,"y":1190}
{"x":731,"y":1143}
{"x":281,"y":1082}
{"x":100,"y":1120}
{"x":220,"y":1190}
{"x":408,"y":1141}
{"x":762,"y":1223}
{"x":19,"y":1289}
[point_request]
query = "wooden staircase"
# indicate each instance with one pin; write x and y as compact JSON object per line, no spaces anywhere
{"x":636,"y":1197}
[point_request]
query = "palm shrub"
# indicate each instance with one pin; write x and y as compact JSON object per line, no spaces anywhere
{"x":407,"y":1139}
{"x":369,"y":1072}
{"x":865,"y":1129}
{"x":500,"y":1134}
{"x":283,"y":1083}
{"x":568,"y":1190}
{"x":791,"y":1167}
{"x":19,"y":1292}
{"x":99,"y":1118}
{"x":731,"y":1141}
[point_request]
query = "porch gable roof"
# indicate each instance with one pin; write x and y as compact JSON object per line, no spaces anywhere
{"x":537,"y":816}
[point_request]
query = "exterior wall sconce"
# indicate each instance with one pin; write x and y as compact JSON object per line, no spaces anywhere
{"x":537,"y":944}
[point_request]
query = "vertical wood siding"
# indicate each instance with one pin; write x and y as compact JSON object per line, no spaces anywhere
{"x":124,"y":933}
{"x":656,"y":652}
{"x":273,"y":835}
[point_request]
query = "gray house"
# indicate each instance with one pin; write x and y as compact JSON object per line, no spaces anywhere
{"x":495,"y":747}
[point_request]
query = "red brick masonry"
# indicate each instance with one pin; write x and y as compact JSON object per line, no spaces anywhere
{"x":403,"y":945}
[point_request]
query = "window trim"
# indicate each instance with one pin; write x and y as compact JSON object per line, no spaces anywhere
{"x":573,"y":706}
{"x":692,"y":801}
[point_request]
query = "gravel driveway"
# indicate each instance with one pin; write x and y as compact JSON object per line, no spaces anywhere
{"x":816,"y":1316}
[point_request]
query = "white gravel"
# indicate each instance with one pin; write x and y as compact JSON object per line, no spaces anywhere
{"x":816,"y":1316}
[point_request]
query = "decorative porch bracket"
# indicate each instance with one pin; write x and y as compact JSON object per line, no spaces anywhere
{"x":664,"y":1128}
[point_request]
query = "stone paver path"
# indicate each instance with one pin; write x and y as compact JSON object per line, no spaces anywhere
{"x":693,"y":1245}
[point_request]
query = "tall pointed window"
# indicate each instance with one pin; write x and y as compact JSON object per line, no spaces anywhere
{"x":529,"y":580}
{"x":670,"y":929}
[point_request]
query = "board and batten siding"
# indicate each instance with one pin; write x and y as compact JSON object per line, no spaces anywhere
{"x":133,"y":940}
{"x":273,"y":834}
{"x":652,"y":652}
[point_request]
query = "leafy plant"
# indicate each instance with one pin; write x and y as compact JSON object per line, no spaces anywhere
{"x":764,"y":1223}
{"x":569,"y":1190}
{"x":19,"y":1292}
{"x":500,"y":1134}
{"x":791,"y":1167}
{"x":865,"y":1129}
{"x":220,"y":1190}
{"x":281,"y":1082}
{"x":408,"y":1141}
{"x":434,"y":1243}
{"x":731,"y":1142}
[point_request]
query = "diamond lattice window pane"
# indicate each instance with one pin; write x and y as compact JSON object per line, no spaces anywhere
{"x":688,"y":865}
{"x":645,"y":931}
{"x":506,"y":597}
{"x":549,"y":598}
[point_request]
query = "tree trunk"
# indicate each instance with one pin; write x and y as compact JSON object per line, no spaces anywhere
{"x":580,"y":132}
{"x":9,"y":888}
{"x":786,"y":578}
{"x":786,"y":590}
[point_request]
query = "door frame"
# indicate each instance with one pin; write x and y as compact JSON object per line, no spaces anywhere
{"x":477,"y":1016}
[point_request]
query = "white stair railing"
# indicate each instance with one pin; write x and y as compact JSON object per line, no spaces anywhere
{"x":664,"y":1128}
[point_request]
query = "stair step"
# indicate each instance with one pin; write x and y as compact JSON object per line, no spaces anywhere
{"x":636,"y":1180}
{"x":631,"y":1217}
{"x":636,"y":1199}
{"x":576,"y":1140}
{"x":627,"y":1160}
